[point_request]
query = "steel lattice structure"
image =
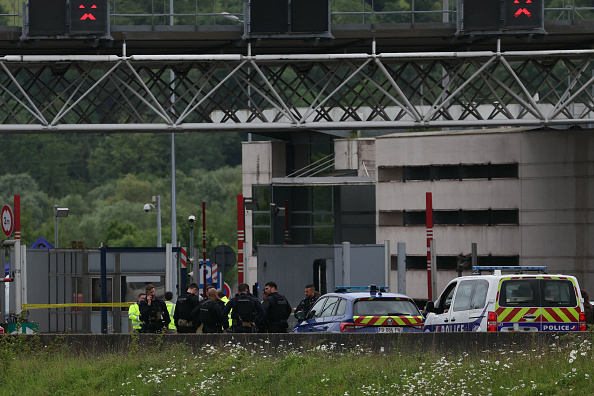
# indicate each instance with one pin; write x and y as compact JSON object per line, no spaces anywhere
{"x":171,"y":93}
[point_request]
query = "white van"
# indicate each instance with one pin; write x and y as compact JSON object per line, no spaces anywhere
{"x":510,"y":302}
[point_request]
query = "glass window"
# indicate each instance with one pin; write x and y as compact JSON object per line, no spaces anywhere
{"x":323,"y":235}
{"x":262,"y":194}
{"x":96,"y":292}
{"x":322,"y":199}
{"x":317,"y":308}
{"x":462,"y":299}
{"x":385,"y":307}
{"x":479,"y":298}
{"x":519,"y":293}
{"x":340,"y":310}
{"x":445,"y":301}
{"x":329,"y":307}
{"x":558,"y":293}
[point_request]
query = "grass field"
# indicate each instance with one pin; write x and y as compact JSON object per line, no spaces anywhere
{"x":235,"y":369}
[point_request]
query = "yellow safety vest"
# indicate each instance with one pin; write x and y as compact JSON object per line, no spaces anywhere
{"x":134,"y":315}
{"x":225,"y":299}
{"x":171,"y":310}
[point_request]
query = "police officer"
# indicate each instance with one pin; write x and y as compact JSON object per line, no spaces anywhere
{"x":311,"y":296}
{"x":183,"y":310}
{"x":209,"y":313}
{"x":277,"y":309}
{"x":134,"y":315}
{"x":171,"y":311}
{"x":153,"y":312}
{"x":247,"y":311}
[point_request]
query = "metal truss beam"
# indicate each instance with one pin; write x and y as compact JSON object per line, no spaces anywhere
{"x":177,"y":93}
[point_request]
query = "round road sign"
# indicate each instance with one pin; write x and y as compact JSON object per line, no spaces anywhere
{"x":7,"y":220}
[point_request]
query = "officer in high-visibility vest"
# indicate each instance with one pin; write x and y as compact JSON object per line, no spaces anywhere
{"x":171,"y":329}
{"x":225,"y":299}
{"x":134,"y":315}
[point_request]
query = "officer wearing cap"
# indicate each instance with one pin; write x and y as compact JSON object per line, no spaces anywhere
{"x":246,"y":311}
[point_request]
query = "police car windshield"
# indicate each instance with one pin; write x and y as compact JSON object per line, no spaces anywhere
{"x":384,"y":307}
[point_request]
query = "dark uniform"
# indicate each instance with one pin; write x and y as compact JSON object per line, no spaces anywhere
{"x":306,"y":304}
{"x":155,"y":318}
{"x":277,"y":310}
{"x":210,"y":314}
{"x":247,"y":310}
{"x":183,"y":313}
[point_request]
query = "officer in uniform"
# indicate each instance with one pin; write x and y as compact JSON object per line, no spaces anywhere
{"x":247,"y":311}
{"x":277,"y":310}
{"x":134,"y":315}
{"x":183,"y":310}
{"x":171,"y":311}
{"x":311,"y":296}
{"x":153,"y":312}
{"x":209,"y":313}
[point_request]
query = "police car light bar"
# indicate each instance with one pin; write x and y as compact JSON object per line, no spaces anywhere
{"x":517,"y":268}
{"x":339,"y":289}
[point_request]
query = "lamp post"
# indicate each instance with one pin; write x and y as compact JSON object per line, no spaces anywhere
{"x":156,"y":205}
{"x":193,"y":262}
{"x":59,"y":212}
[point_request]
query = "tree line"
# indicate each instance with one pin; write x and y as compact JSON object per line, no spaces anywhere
{"x":105,"y":180}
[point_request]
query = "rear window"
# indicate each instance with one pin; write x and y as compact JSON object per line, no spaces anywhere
{"x":385,"y":307}
{"x":537,"y":293}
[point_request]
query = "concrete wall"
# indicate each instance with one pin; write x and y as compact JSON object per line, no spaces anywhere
{"x":441,"y":343}
{"x":554,"y":195}
{"x":291,"y":266}
{"x":261,"y":162}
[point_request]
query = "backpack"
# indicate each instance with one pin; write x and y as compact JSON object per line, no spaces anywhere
{"x":281,"y":308}
{"x":244,"y":309}
{"x":184,"y":308}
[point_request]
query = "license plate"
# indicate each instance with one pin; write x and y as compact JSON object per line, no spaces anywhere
{"x":390,"y":330}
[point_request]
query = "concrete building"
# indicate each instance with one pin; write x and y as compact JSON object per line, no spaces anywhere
{"x":524,"y":196}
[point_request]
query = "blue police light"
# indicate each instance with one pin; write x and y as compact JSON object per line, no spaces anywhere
{"x":479,"y":268}
{"x":373,"y":288}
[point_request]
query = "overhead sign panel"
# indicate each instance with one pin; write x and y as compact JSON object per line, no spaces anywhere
{"x":500,"y":17}
{"x":88,"y":17}
{"x":47,"y":17}
{"x":288,"y":18}
{"x":309,"y":16}
{"x":524,"y":14}
{"x":269,"y":16}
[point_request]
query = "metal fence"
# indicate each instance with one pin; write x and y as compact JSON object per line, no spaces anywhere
{"x":218,"y":12}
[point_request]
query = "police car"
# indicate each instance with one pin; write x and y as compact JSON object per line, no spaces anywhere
{"x":367,"y":310}
{"x":515,"y":301}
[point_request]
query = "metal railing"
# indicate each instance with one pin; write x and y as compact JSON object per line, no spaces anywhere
{"x":218,"y":12}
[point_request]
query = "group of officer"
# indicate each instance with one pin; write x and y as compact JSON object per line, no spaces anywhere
{"x":244,"y":313}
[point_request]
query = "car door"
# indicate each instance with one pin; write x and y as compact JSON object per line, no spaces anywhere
{"x":439,"y":320}
{"x":459,"y":315}
{"x":315,"y":315}
{"x":324,"y":320}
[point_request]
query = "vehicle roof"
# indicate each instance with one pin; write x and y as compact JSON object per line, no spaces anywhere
{"x":355,"y":295}
{"x":510,"y":274}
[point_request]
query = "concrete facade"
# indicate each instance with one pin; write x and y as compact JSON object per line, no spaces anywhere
{"x":553,"y":194}
{"x":550,"y":194}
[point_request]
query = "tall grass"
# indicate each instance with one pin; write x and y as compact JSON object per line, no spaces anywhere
{"x":559,"y":369}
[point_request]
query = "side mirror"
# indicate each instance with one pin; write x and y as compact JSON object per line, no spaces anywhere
{"x":310,"y":314}
{"x":300,"y":316}
{"x":430,"y":306}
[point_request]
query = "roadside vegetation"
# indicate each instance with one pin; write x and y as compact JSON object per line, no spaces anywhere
{"x":566,"y":367}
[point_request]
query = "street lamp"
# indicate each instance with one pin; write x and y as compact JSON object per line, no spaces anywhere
{"x":156,"y":205}
{"x":59,"y":212}
{"x":194,"y":263}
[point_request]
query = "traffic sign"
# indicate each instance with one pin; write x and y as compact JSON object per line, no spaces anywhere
{"x":224,"y":256}
{"x":7,"y":220}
